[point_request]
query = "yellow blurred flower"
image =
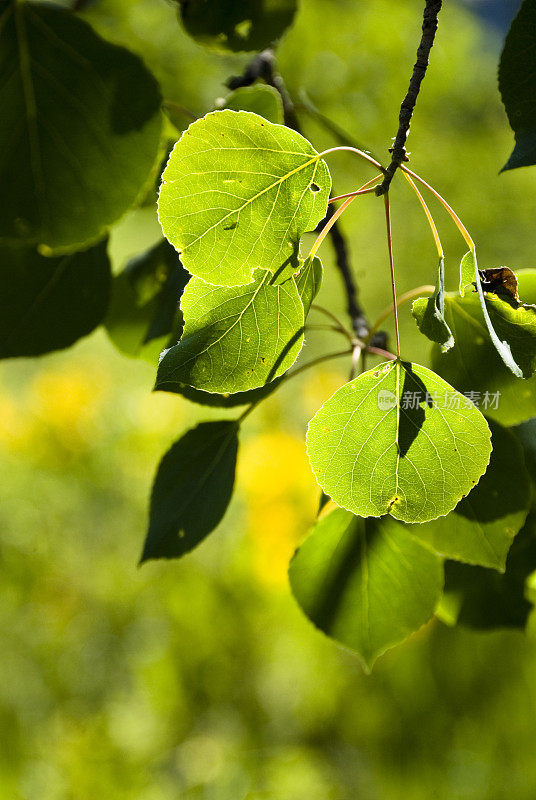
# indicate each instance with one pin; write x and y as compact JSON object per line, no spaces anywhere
{"x":282,"y":497}
{"x":66,"y":403}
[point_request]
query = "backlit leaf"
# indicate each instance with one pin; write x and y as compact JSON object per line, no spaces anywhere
{"x":481,"y":528}
{"x":429,"y":314}
{"x":474,"y":365}
{"x":237,"y":194}
{"x":77,"y":143}
{"x":235,"y":338}
{"x":192,"y":489}
{"x":215,"y":400}
{"x":365,"y":582}
{"x":509,"y":334}
{"x":398,"y":440}
{"x":49,"y":303}
{"x":309,"y":281}
{"x":259,"y":99}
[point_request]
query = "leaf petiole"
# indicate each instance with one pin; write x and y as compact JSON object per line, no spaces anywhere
{"x":312,"y":363}
{"x":360,"y":153}
{"x":392,"y":268}
{"x":409,"y":295}
{"x":429,"y":217}
{"x":329,"y":225}
{"x":459,"y":224}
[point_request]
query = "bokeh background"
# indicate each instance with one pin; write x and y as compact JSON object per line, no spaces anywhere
{"x":201,"y":679}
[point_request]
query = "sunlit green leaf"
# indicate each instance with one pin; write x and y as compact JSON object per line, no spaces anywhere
{"x":49,"y":303}
{"x":238,"y":193}
{"x":485,"y":599}
{"x":511,"y":332}
{"x":517,"y":84}
{"x":481,"y":528}
{"x":192,"y":489}
{"x":467,"y":273}
{"x":144,"y":309}
{"x":398,"y":440}
{"x":236,"y":24}
{"x":77,"y":142}
{"x":309,"y":281}
{"x":235,"y":338}
{"x":429,"y":314}
{"x":367,"y":583}
{"x":473,"y":366}
{"x":259,"y":99}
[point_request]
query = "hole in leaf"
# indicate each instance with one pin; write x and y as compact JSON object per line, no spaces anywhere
{"x":315,"y":187}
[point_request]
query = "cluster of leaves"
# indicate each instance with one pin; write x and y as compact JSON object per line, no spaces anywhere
{"x":429,"y":506}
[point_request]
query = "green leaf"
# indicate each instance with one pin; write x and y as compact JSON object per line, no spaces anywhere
{"x":235,"y":338}
{"x":398,"y":440}
{"x":429,"y":313}
{"x":259,"y":99}
{"x":474,"y":367}
{"x":216,"y":400}
{"x":236,"y":24}
{"x":526,"y":434}
{"x":49,"y":303}
{"x":144,"y":315}
{"x":467,"y":272}
{"x":309,"y":282}
{"x":481,"y":528}
{"x":517,"y":84}
{"x":192,"y":489}
{"x":238,"y":193}
{"x":77,"y":143}
{"x":484,"y":599}
{"x":517,"y":333}
{"x":367,"y":583}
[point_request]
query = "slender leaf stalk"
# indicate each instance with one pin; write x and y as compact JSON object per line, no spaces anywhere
{"x":459,"y":224}
{"x":392,"y":268}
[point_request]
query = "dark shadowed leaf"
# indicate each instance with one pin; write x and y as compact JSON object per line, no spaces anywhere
{"x":526,"y":433}
{"x":517,"y":84}
{"x":481,"y":528}
{"x":77,"y":141}
{"x":236,"y":24}
{"x":485,"y":599}
{"x":192,"y":489}
{"x":144,"y":315}
{"x":429,"y":314}
{"x":226,"y":400}
{"x":235,"y":338}
{"x":49,"y":303}
{"x":474,"y":366}
{"x":398,"y":440}
{"x":237,"y":194}
{"x":365,"y":582}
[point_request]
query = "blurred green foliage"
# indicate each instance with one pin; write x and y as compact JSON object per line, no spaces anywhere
{"x":201,"y":679}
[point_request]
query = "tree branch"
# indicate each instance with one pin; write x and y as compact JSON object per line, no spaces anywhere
{"x":398,"y":150}
{"x":264,"y":66}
